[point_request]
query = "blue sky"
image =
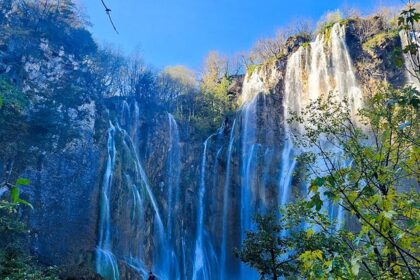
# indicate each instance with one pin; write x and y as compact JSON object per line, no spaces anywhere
{"x":172,"y":32}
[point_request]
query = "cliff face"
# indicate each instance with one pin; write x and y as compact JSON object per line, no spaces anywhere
{"x":49,"y":135}
{"x":121,"y":186}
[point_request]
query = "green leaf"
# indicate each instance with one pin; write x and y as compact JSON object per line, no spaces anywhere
{"x":316,"y":201}
{"x":14,"y":194}
{"x":24,"y":202}
{"x":22,"y":182}
{"x":309,"y":233}
{"x":319,"y":182}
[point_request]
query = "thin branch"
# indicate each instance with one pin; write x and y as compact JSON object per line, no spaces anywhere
{"x":108,"y":12}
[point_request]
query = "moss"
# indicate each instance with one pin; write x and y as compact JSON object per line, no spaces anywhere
{"x":326,"y":29}
{"x":306,"y":45}
{"x":252,"y":68}
{"x":10,"y":96}
{"x":274,"y":58}
{"x":379,"y":39}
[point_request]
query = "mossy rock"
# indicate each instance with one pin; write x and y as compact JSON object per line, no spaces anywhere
{"x":380,"y":39}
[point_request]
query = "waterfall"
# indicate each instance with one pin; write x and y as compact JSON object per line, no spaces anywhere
{"x":164,"y":265}
{"x":202,"y":257}
{"x":161,"y":258}
{"x":252,"y":89}
{"x":226,"y":201}
{"x":411,"y":77}
{"x":106,"y":263}
{"x":173,"y":177}
{"x":324,"y":66}
{"x":266,"y":169}
{"x":174,"y":171}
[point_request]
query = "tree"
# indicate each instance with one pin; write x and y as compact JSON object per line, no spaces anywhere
{"x":215,"y":68}
{"x":177,"y":84}
{"x":267,"y":49}
{"x":378,"y":189}
{"x":214,"y":102}
{"x":265,"y":249}
{"x":180,"y":73}
{"x":328,"y":19}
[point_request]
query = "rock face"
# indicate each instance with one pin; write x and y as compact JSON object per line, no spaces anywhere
{"x":122,"y":187}
{"x":49,"y":138}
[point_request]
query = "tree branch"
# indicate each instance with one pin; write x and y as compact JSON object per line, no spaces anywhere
{"x":108,"y":12}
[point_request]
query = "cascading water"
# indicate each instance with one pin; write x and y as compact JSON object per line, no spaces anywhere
{"x":411,"y":61}
{"x":326,"y":66}
{"x":248,"y":149}
{"x":226,"y":201}
{"x":173,"y":177}
{"x":174,"y":171}
{"x":253,"y":88}
{"x":106,"y":263}
{"x":203,"y":254}
{"x":161,"y":258}
{"x":164,"y":265}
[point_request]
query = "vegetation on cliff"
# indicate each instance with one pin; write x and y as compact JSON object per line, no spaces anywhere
{"x":15,"y":261}
{"x":371,"y":173}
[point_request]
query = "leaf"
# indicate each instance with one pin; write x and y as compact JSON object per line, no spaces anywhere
{"x":15,"y":193}
{"x":24,"y":202}
{"x":309,"y":233}
{"x":22,"y":182}
{"x":318,"y":254}
{"x":318,"y":181}
{"x":316,"y":201}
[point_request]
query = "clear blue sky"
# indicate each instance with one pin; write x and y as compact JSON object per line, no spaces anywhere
{"x":172,"y":32}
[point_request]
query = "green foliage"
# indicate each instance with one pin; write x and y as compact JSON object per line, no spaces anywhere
{"x":10,"y":97}
{"x":15,"y":192}
{"x":213,"y":104}
{"x":378,"y":188}
{"x":379,"y":39}
{"x":324,"y":27}
{"x":15,"y":265}
{"x":306,"y":45}
{"x":9,"y":220}
{"x":252,"y":68}
{"x":263,"y":249}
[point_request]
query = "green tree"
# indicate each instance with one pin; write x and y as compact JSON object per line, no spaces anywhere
{"x":265,"y":249}
{"x":378,"y":188}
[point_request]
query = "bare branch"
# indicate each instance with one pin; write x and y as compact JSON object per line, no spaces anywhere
{"x":108,"y":12}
